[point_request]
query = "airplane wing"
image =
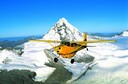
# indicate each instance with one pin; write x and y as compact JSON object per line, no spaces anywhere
{"x":79,"y":42}
{"x":95,"y":41}
{"x":48,"y":41}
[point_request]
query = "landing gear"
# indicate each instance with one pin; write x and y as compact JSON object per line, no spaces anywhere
{"x":72,"y":61}
{"x":87,"y":49}
{"x":55,"y":59}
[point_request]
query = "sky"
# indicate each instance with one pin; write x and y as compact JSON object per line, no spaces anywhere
{"x":36,"y":17}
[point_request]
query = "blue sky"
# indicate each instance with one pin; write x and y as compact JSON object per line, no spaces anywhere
{"x":36,"y":17}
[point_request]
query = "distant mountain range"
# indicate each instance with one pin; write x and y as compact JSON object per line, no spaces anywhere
{"x":103,"y":34}
{"x":12,"y":42}
{"x":20,"y":38}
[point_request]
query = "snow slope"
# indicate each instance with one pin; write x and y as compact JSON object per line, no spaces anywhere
{"x":112,"y":64}
{"x":10,"y":60}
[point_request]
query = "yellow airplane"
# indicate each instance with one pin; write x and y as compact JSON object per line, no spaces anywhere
{"x":68,"y":49}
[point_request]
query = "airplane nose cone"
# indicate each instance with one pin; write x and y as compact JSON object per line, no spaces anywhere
{"x":57,"y":49}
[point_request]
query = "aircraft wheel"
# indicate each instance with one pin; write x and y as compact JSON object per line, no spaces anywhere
{"x":55,"y":59}
{"x":72,"y":61}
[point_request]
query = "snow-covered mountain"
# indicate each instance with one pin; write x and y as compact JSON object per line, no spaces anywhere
{"x":124,"y":33}
{"x":108,"y":61}
{"x":63,"y":30}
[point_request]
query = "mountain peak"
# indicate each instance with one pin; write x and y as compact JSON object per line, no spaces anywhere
{"x":63,"y":30}
{"x":62,"y":20}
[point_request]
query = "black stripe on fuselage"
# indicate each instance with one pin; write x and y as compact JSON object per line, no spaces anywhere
{"x":72,"y":44}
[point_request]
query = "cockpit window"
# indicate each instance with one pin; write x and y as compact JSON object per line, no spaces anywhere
{"x":67,"y":43}
{"x":73,"y":44}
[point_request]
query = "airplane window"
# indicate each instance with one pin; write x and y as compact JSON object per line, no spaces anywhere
{"x":73,"y":44}
{"x":67,"y":43}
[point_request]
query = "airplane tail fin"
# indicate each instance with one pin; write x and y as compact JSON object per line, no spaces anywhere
{"x":85,"y":37}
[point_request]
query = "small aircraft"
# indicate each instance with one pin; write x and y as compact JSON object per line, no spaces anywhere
{"x":68,"y":49}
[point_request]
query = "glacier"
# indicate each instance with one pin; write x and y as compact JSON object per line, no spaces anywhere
{"x":104,"y":64}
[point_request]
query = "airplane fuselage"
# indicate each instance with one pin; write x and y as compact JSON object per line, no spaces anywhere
{"x":67,"y":49}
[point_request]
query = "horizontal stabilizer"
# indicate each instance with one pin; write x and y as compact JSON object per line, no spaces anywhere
{"x":91,"y":46}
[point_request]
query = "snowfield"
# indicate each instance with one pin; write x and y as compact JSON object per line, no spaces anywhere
{"x":107,"y":63}
{"x":112,"y":63}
